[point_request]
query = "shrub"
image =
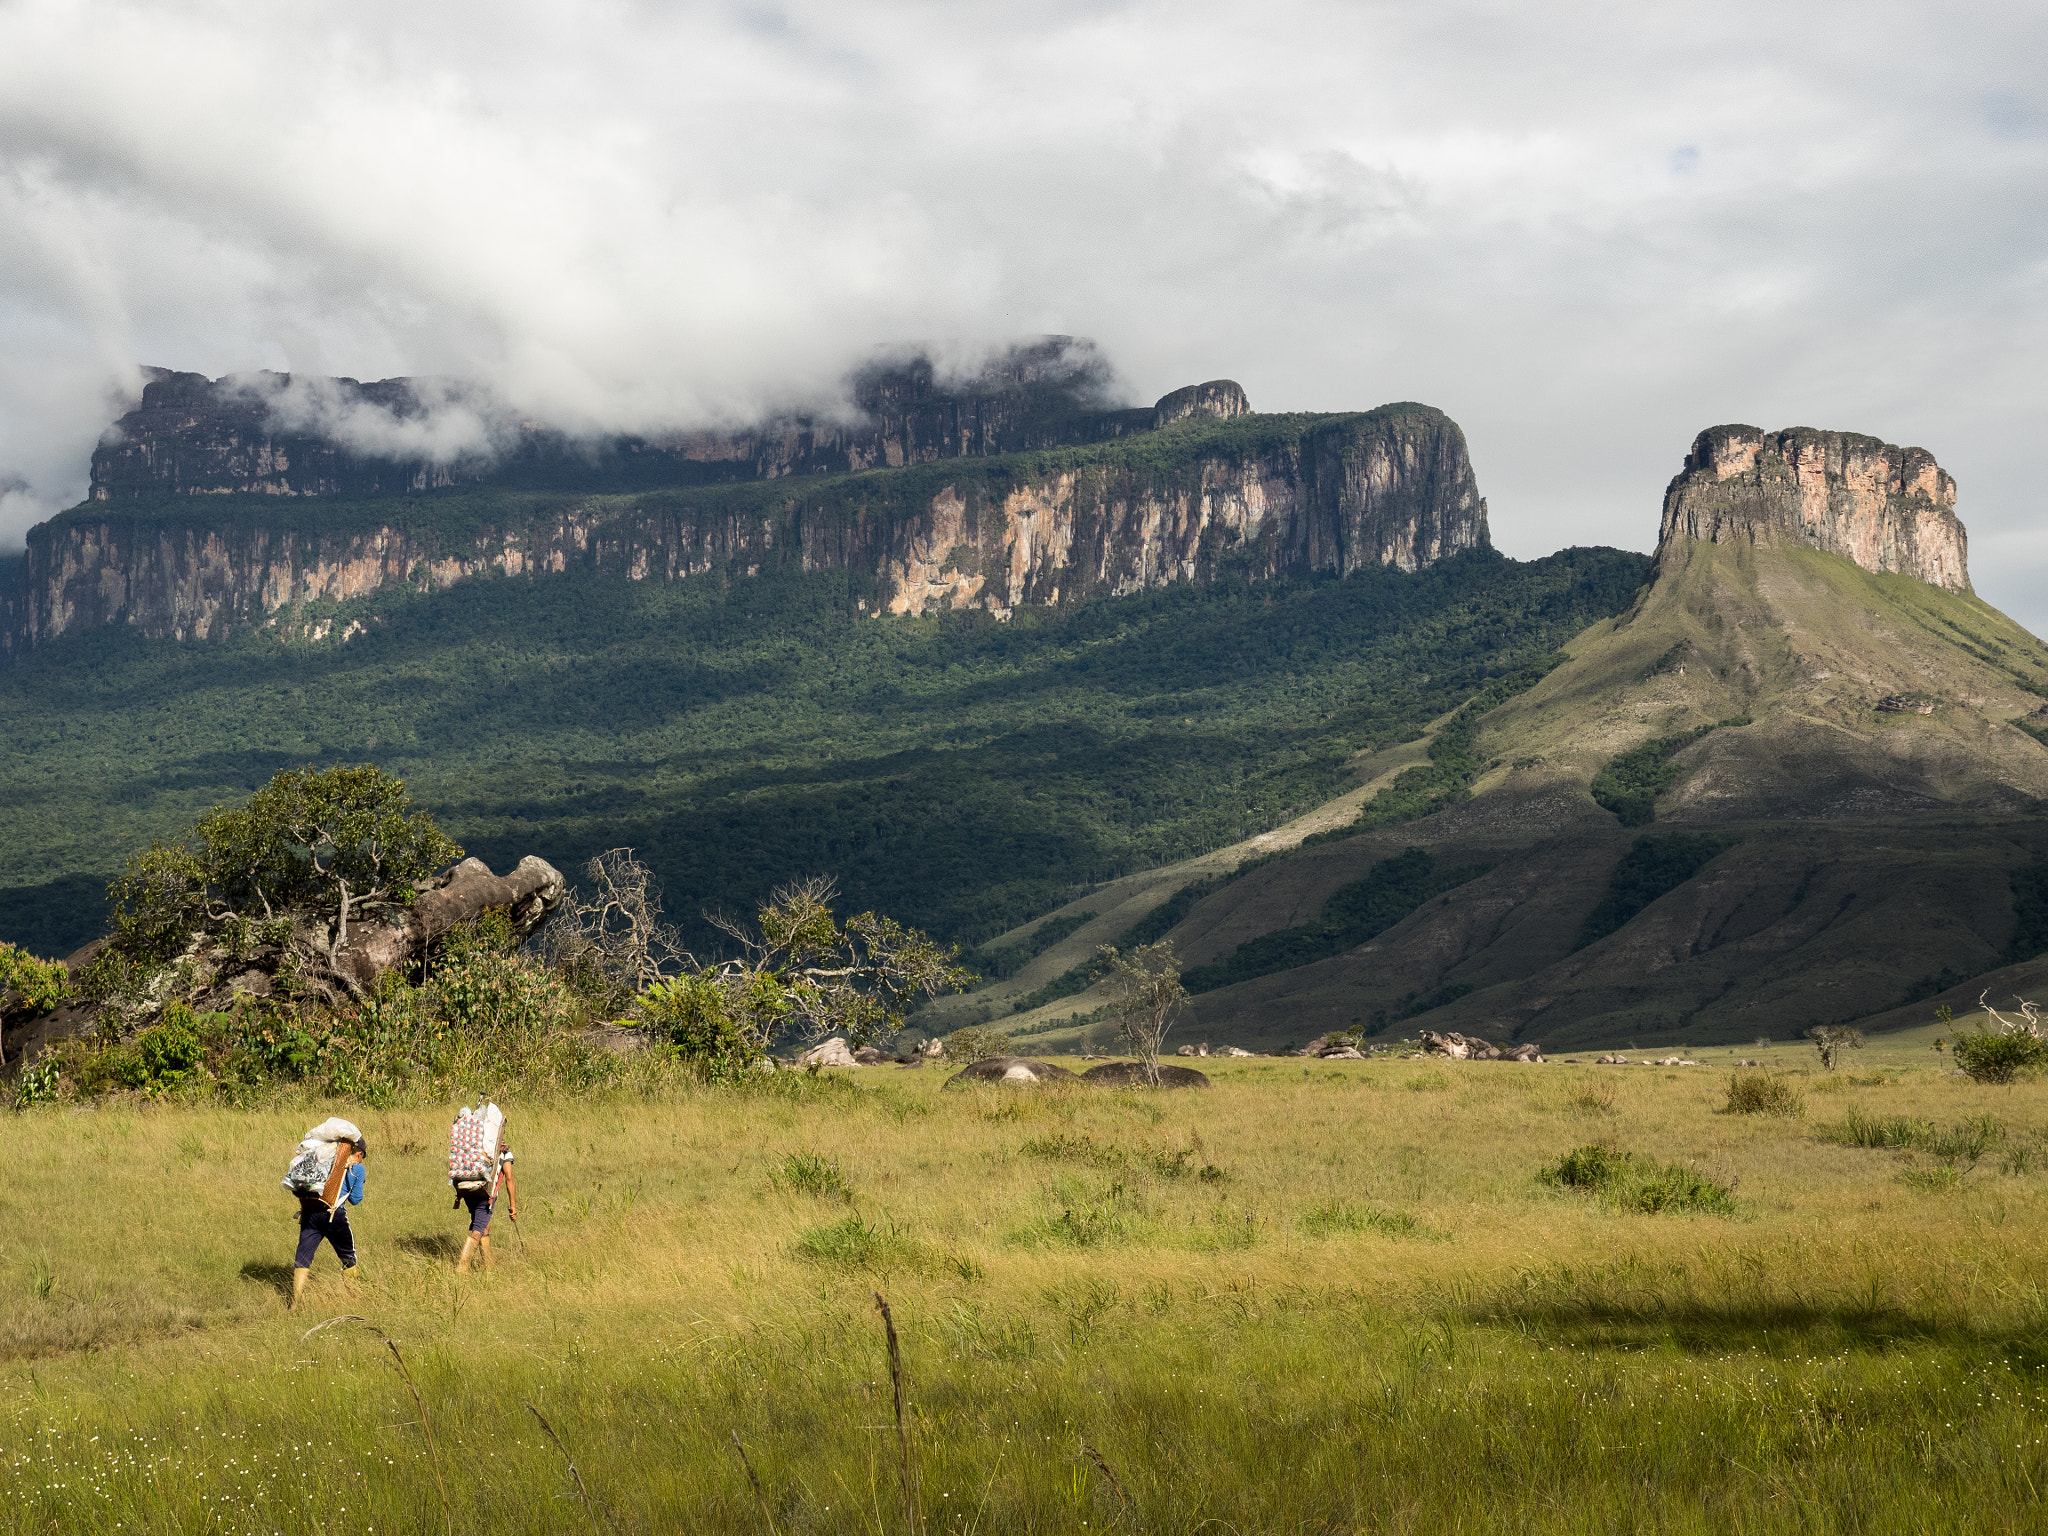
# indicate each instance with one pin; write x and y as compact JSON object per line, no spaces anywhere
{"x":38,"y":1084}
{"x":977,"y":1042}
{"x":1993,"y":1056}
{"x":1761,"y":1093}
{"x":38,"y":984}
{"x":712,"y":1022}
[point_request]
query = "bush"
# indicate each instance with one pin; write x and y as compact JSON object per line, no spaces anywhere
{"x":1991,"y":1056}
{"x":38,"y":1084}
{"x":1761,"y":1093}
{"x":714,"y":1023}
{"x":977,"y":1042}
{"x":37,"y":984}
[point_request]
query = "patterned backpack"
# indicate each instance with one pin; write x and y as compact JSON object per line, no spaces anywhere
{"x":473,"y":1146}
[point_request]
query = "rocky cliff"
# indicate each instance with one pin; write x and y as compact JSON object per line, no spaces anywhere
{"x":1889,"y":509}
{"x":1210,"y":490}
{"x":277,"y":434}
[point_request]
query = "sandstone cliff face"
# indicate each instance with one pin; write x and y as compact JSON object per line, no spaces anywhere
{"x":1889,"y":509}
{"x":1255,"y":497}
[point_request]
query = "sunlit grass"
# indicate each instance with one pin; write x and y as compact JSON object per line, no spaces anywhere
{"x":1373,"y":1316}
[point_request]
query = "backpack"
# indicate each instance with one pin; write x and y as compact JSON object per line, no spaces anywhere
{"x":312,"y":1164}
{"x":473,"y":1146}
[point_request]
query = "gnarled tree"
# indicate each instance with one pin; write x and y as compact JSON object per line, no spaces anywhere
{"x":313,"y":852}
{"x":798,"y":970}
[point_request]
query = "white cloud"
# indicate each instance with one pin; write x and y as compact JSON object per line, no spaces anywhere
{"x":1586,"y":231}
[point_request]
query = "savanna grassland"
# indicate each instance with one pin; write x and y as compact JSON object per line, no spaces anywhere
{"x":1318,"y":1297}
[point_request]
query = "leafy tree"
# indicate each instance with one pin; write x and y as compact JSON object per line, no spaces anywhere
{"x":1147,"y":997}
{"x":1830,"y":1040}
{"x":322,"y":844}
{"x":977,"y":1042}
{"x":798,"y":970}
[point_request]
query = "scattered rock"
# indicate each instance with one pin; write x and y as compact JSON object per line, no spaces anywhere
{"x":1344,"y":1053}
{"x":1018,"y":1070}
{"x":1131,"y":1074}
{"x":1899,"y":704}
{"x":833,"y":1053}
{"x":1472,"y":1048}
{"x":1613,"y":1061}
{"x":868,"y":1056}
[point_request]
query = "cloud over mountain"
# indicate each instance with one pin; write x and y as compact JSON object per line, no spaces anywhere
{"x":1587,"y":232}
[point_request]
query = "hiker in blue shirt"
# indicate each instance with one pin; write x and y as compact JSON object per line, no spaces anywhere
{"x":317,"y":1223}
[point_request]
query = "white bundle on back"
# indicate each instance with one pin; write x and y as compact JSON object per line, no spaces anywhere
{"x":314,"y":1159}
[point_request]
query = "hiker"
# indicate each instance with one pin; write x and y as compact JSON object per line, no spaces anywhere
{"x":327,"y":1175}
{"x":479,"y":1160}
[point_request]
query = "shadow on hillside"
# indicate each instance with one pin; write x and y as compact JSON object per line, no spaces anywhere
{"x":1789,"y":1327}
{"x":268,"y":1272}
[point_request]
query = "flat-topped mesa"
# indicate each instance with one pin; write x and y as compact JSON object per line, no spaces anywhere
{"x":278,"y":434}
{"x":1889,"y":509}
{"x":1193,"y":489}
{"x":1219,"y":399}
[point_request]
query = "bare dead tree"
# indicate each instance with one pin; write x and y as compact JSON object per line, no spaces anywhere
{"x":611,"y":939}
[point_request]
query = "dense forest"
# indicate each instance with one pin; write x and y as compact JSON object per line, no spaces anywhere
{"x":959,"y":773}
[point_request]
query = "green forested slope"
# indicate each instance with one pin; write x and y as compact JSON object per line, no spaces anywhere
{"x":960,"y":773}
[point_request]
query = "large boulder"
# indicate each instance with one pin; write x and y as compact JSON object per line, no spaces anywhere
{"x":833,"y":1053}
{"x":528,"y":896}
{"x":1131,"y":1074}
{"x":1012,"y":1071}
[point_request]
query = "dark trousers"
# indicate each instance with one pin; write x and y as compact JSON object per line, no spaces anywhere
{"x":480,"y":1202}
{"x":317,"y":1225}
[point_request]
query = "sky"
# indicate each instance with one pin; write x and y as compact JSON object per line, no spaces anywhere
{"x":1586,"y":231}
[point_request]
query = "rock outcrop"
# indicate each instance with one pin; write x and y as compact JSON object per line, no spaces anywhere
{"x":1131,"y":1074}
{"x":1889,"y":509}
{"x":212,"y":974}
{"x":1214,"y":492}
{"x":527,"y":896}
{"x":1011,"y":1071}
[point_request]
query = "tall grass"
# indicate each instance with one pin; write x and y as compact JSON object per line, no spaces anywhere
{"x":1275,"y":1351}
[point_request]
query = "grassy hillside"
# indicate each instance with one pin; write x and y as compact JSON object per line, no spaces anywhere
{"x":1291,"y":1302}
{"x":961,"y":774}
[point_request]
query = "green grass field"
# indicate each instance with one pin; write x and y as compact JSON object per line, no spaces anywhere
{"x":1317,"y":1297}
